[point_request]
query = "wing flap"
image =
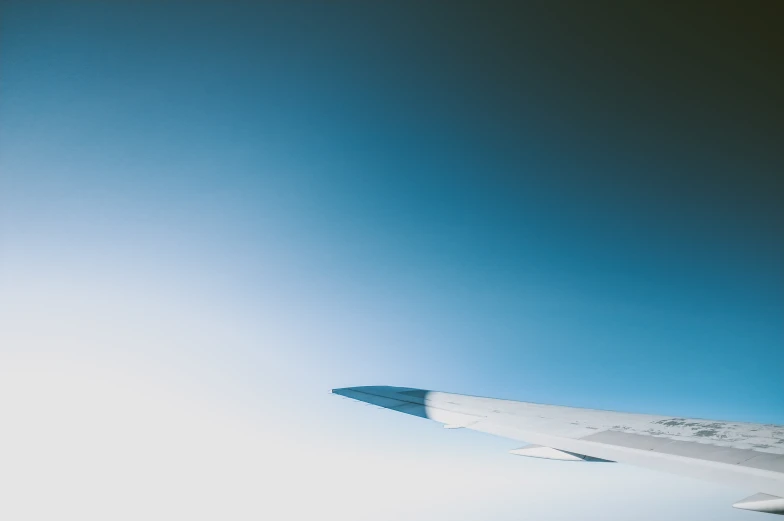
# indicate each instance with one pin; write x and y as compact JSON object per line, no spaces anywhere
{"x":537,"y":451}
{"x":762,"y":503}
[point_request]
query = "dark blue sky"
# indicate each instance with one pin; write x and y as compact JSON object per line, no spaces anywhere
{"x":572,"y":203}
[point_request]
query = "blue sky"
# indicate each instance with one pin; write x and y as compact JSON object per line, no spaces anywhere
{"x":233,"y":209}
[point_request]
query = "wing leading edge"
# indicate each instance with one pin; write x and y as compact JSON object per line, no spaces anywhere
{"x":747,"y":455}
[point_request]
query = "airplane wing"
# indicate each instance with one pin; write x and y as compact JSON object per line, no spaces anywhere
{"x":748,"y":455}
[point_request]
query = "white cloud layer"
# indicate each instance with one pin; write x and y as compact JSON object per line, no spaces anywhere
{"x":120,"y":404}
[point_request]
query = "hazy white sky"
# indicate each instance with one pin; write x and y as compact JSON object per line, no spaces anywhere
{"x":119,"y":402}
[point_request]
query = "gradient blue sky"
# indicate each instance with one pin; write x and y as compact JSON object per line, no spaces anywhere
{"x":240,"y":207}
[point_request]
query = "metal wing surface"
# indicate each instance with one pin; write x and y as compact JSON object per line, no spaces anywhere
{"x":747,"y":455}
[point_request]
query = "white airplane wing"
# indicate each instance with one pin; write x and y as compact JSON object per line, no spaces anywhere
{"x":748,"y":455}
